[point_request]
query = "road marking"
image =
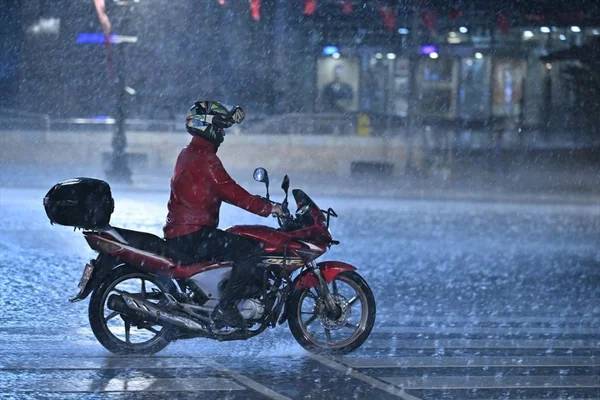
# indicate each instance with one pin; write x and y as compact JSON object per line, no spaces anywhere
{"x":582,"y":320}
{"x":107,"y":363}
{"x":495,"y":382}
{"x":501,"y":319}
{"x":127,"y":385}
{"x":374,"y":382}
{"x":244,"y":380}
{"x":469,"y":362}
{"x":47,"y":337}
{"x":481,"y":343}
{"x":137,"y":384}
{"x":476,"y":330}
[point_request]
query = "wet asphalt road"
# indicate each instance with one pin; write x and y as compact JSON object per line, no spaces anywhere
{"x":475,"y":301}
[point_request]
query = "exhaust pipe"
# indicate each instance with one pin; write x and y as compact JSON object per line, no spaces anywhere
{"x":147,"y":311}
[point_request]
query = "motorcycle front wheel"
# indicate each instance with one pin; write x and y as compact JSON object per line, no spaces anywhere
{"x":119,"y":333}
{"x":317,"y":331}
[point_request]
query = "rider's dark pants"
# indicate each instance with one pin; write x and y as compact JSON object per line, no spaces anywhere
{"x":215,"y":244}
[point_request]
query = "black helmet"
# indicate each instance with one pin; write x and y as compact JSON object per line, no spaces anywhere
{"x":208,"y":119}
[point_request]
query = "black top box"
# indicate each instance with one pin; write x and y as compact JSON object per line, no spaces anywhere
{"x":80,"y":202}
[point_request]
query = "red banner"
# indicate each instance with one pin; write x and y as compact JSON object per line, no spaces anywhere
{"x":310,"y":6}
{"x":455,"y":13}
{"x":388,"y":16}
{"x":255,"y":10}
{"x":502,"y":22}
{"x":347,"y":7}
{"x":429,"y":19}
{"x":102,"y":16}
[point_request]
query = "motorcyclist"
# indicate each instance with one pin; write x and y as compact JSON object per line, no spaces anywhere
{"x":198,"y":186}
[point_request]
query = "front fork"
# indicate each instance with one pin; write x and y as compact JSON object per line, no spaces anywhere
{"x":331,"y":308}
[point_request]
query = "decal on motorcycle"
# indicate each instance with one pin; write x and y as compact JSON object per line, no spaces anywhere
{"x":107,"y":246}
{"x":283,"y":261}
{"x":311,"y":246}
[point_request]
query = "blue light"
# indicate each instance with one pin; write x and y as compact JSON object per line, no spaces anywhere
{"x":330,"y":50}
{"x":428,"y":49}
{"x":93,"y":38}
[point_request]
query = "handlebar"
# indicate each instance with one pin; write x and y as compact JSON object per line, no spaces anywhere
{"x":286,"y":220}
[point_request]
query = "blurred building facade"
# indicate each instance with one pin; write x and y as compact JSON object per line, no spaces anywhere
{"x":462,"y":64}
{"x":388,"y":64}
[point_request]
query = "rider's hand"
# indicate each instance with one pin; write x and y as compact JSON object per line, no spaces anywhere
{"x":277,"y":210}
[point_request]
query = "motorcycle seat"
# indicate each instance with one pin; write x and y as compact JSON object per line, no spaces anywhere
{"x":151,"y":243}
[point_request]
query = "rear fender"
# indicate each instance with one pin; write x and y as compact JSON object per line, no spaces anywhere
{"x":103,"y":264}
{"x":329,"y":270}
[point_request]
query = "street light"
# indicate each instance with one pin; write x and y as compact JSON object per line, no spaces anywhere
{"x":528,"y":35}
{"x":119,"y":164}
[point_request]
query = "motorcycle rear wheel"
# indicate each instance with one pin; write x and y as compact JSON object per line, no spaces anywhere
{"x":320,"y":334}
{"x":99,"y":321}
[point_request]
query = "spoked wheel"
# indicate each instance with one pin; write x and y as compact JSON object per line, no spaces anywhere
{"x":318,"y":331}
{"x":123,"y":334}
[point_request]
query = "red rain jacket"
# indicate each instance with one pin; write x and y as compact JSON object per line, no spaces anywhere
{"x":199,"y":185}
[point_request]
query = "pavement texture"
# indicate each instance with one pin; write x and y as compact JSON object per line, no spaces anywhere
{"x":477,"y":299}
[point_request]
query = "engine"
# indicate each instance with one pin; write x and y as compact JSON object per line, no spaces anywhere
{"x":251,"y":308}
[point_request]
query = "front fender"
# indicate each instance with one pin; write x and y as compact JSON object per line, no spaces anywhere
{"x":329,"y":270}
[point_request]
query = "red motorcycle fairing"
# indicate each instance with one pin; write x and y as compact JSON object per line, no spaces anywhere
{"x":106,"y":243}
{"x":329,"y":270}
{"x":272,"y":239}
{"x":276,"y":241}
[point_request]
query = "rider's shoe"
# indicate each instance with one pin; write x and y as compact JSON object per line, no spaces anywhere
{"x":227,"y":315}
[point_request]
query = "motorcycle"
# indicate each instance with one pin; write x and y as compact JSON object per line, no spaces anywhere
{"x":142,"y":298}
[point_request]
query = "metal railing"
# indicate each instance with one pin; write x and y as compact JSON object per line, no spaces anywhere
{"x":292,"y":123}
{"x":301,"y":124}
{"x":431,"y":133}
{"x":16,"y":119}
{"x":107,"y":124}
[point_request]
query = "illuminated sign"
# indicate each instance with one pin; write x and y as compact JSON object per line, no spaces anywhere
{"x":99,"y":38}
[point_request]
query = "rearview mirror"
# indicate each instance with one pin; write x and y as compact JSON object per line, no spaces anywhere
{"x":285,"y":185}
{"x":261,"y":175}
